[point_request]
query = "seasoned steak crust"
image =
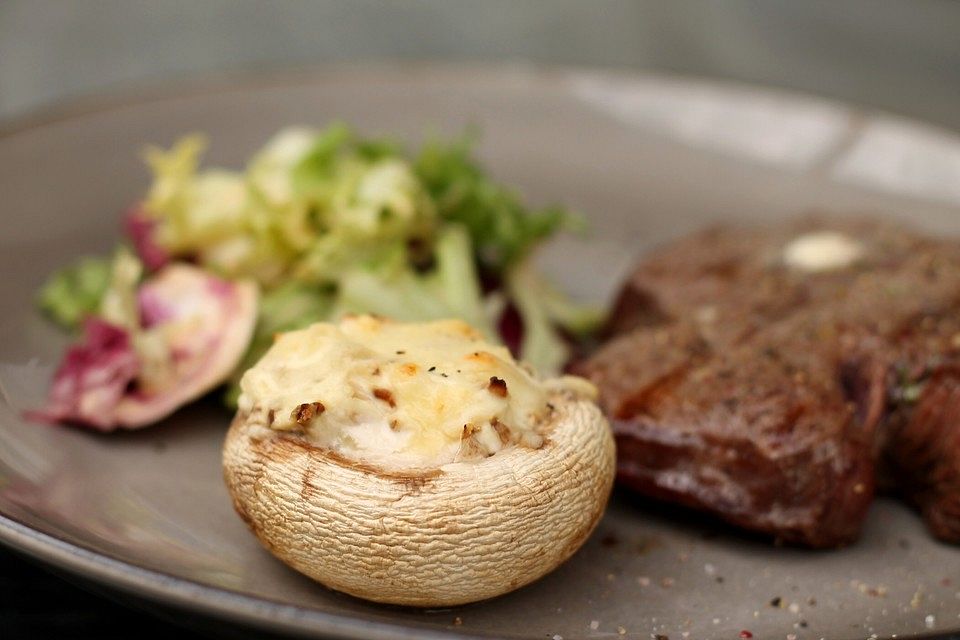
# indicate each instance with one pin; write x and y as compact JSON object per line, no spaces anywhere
{"x":776,"y":397}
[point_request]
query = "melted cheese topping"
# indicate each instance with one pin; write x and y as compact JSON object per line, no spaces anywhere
{"x":396,"y":394}
{"x":822,"y":251}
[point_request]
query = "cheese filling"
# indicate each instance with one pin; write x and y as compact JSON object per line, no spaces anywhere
{"x":399,"y":395}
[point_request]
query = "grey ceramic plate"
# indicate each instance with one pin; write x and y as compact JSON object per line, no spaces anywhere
{"x":646,"y":158}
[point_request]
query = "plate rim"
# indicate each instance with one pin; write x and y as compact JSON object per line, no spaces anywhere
{"x":219,"y":602}
{"x":222,"y":602}
{"x":134,"y":93}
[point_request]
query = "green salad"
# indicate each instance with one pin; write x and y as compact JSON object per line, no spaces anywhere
{"x":328,"y":223}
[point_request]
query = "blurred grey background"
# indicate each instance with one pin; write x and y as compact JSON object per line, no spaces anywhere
{"x":899,"y":55}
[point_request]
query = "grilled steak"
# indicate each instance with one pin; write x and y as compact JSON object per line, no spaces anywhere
{"x":772,"y":376}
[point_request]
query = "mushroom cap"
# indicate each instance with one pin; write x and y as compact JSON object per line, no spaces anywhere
{"x":463,"y":532}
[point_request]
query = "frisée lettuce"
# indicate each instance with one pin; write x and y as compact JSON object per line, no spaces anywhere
{"x":327,"y":223}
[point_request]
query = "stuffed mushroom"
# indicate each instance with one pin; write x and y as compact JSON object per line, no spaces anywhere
{"x":415,"y":464}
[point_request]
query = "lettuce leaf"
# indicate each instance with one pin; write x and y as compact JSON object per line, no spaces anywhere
{"x":503,"y":229}
{"x":541,"y":345}
{"x":364,"y":201}
{"x":542,"y":310}
{"x":73,"y":293}
{"x":395,"y":290}
{"x":119,"y":303}
{"x":213,"y":216}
